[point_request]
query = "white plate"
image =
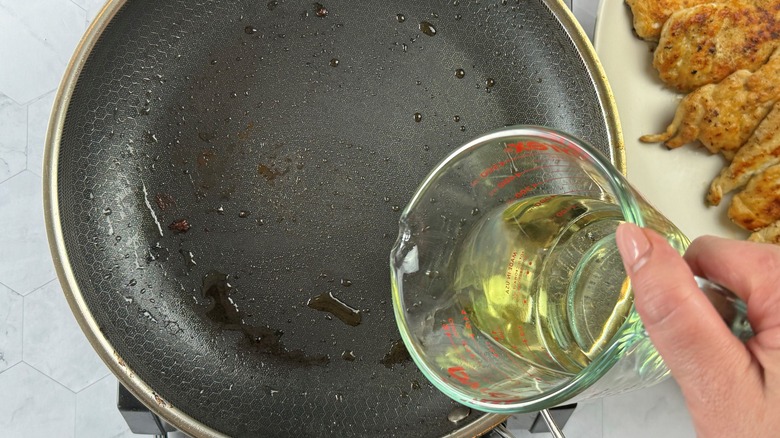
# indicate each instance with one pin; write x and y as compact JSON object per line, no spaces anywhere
{"x":675,"y":181}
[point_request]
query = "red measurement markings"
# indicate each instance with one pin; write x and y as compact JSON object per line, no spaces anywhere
{"x":544,"y":200}
{"x":509,"y":271}
{"x":504,"y":182}
{"x":494,"y":395}
{"x":531,"y":187}
{"x":527,"y":189}
{"x":449,"y":333}
{"x":460,"y":374}
{"x":521,"y":332}
{"x":467,"y":324}
{"x":516,"y":271}
{"x":565,"y":210}
{"x":468,"y":350}
{"x":491,"y":349}
{"x":496,"y":166}
{"x":521,"y":148}
{"x":565,"y":147}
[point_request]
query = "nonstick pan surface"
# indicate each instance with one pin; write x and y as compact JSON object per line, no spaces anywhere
{"x":224,"y":180}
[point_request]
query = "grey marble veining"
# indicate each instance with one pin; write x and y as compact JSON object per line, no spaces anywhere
{"x":38,"y":112}
{"x":11,"y":308}
{"x":13,"y":137}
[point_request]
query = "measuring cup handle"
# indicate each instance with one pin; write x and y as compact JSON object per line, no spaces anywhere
{"x":730,"y":307}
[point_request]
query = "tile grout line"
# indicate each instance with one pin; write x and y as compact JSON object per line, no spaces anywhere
{"x":94,"y":383}
{"x":46,"y":127}
{"x":37,"y":288}
{"x":24,"y":331}
{"x":38,"y":97}
{"x":14,"y":100}
{"x":78,"y":6}
{"x":15,"y":174}
{"x":12,"y":366}
{"x":75,"y":398}
{"x":10,"y":288}
{"x":51,"y":378}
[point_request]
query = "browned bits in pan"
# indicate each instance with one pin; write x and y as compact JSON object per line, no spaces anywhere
{"x":180,"y":226}
{"x":164,"y":201}
{"x":320,"y":10}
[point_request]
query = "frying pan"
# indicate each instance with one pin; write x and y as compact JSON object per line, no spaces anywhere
{"x":224,"y":178}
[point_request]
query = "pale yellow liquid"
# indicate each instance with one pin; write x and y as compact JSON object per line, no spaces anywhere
{"x":543,"y":279}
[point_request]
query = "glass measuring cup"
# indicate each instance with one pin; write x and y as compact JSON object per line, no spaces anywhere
{"x":508,"y":287}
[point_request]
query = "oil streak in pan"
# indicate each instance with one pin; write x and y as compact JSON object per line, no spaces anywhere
{"x":224,"y":311}
{"x":326,"y":302}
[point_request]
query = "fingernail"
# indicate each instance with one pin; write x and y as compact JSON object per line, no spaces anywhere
{"x":633,"y":246}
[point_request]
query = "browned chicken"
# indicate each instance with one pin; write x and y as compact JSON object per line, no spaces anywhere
{"x":650,"y":15}
{"x":758,"y":205}
{"x":770,"y":234}
{"x":723,"y":116}
{"x":760,"y":151}
{"x":703,"y":44}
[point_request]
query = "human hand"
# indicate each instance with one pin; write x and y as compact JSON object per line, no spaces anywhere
{"x":731,"y":389}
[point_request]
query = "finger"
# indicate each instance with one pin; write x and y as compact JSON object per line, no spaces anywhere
{"x":752,"y":271}
{"x":699,"y":349}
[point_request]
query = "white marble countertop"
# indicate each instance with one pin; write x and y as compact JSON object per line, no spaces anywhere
{"x":52,"y":384}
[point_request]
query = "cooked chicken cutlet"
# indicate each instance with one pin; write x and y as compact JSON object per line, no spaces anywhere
{"x":705,"y":43}
{"x":760,"y":151}
{"x":758,"y":205}
{"x":770,"y":234}
{"x":724,"y":115}
{"x":650,"y":15}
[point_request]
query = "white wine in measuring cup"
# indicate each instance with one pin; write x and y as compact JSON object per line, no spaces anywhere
{"x":543,"y":279}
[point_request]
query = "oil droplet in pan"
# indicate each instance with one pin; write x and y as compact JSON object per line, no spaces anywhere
{"x":326,"y":302}
{"x":427,"y":28}
{"x":225,"y":313}
{"x":320,"y":10}
{"x":398,"y":354}
{"x":458,"y":413}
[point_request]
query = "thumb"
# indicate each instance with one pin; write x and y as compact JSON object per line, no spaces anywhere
{"x":697,"y":346}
